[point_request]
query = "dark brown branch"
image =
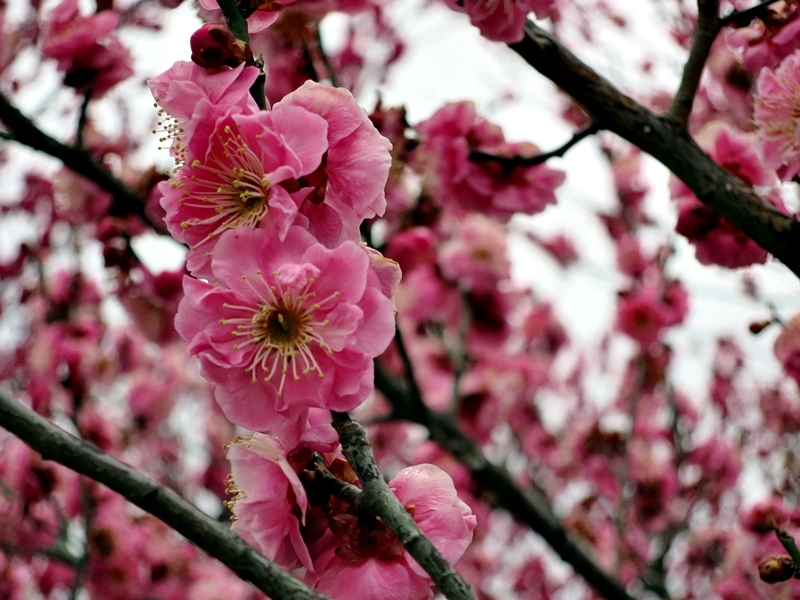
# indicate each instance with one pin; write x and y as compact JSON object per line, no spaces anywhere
{"x":380,"y":500}
{"x":666,"y":142}
{"x":743,"y":17}
{"x":124,"y":201}
{"x":83,"y":116}
{"x":53,"y":443}
{"x":529,"y":508}
{"x":532,"y":161}
{"x":707,"y":30}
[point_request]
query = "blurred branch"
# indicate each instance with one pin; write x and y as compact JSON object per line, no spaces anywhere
{"x":380,"y":500}
{"x":83,"y":116}
{"x":531,"y":161}
{"x":22,"y":130}
{"x":530,"y":508}
{"x":744,"y":17}
{"x":707,"y":30}
{"x":58,"y":552}
{"x":53,"y":443}
{"x":667,"y":142}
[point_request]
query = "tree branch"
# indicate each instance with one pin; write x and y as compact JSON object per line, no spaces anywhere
{"x":667,"y":142}
{"x":53,"y":443}
{"x":529,"y":508}
{"x":707,"y":30}
{"x":124,"y":202}
{"x":744,"y":17}
{"x":532,"y":161}
{"x":380,"y":500}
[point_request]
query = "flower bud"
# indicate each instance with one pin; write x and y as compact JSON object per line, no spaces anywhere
{"x":776,"y":568}
{"x":213,"y":46}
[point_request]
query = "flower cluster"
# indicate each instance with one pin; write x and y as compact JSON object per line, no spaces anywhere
{"x":286,"y":309}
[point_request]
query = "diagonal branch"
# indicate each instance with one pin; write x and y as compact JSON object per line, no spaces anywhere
{"x":665,"y":141}
{"x":380,"y":500}
{"x":124,"y":201}
{"x":529,"y":508}
{"x":53,"y":443}
{"x":707,"y":30}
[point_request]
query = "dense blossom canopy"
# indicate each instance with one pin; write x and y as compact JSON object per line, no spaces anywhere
{"x":544,"y":407}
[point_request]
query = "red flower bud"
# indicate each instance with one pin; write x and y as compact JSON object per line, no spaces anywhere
{"x":213,"y":46}
{"x":776,"y":568}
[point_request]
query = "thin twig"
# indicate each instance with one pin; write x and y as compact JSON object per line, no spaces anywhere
{"x":53,"y":443}
{"x":744,"y":17}
{"x":83,"y":115}
{"x":531,"y":161}
{"x":22,"y":130}
{"x":707,"y":30}
{"x":380,"y":500}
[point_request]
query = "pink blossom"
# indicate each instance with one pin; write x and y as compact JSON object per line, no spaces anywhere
{"x":186,"y":91}
{"x":288,"y":325}
{"x":501,"y":20}
{"x":715,"y":239}
{"x":641,"y":315}
{"x":787,"y":348}
{"x":412,"y":247}
{"x":269,"y":503}
{"x":476,"y":255}
{"x":769,"y":39}
{"x":84,"y":48}
{"x":233,"y":177}
{"x":355,"y":566}
{"x":348,"y":186}
{"x":775,"y":115}
{"x":466,"y":184}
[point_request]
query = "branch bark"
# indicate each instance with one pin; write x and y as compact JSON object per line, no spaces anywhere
{"x":53,"y":443}
{"x":668,"y":142}
{"x":530,"y":508}
{"x":380,"y":500}
{"x":707,"y":30}
{"x":124,"y":201}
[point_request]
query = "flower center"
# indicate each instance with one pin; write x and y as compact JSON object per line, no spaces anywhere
{"x":283,"y":330}
{"x":230,"y":187}
{"x":282,"y":326}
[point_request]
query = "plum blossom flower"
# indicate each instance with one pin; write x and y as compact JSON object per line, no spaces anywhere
{"x":270,"y":502}
{"x":766,"y":41}
{"x":450,"y":136}
{"x":85,"y":49}
{"x":776,"y":117}
{"x":367,"y":562}
{"x":501,"y":20}
{"x":348,"y":185}
{"x":185,"y":91}
{"x":287,"y":325}
{"x":232,"y":177}
{"x":787,"y":348}
{"x":476,"y":256}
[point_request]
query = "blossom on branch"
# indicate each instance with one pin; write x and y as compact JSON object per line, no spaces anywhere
{"x":287,"y":325}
